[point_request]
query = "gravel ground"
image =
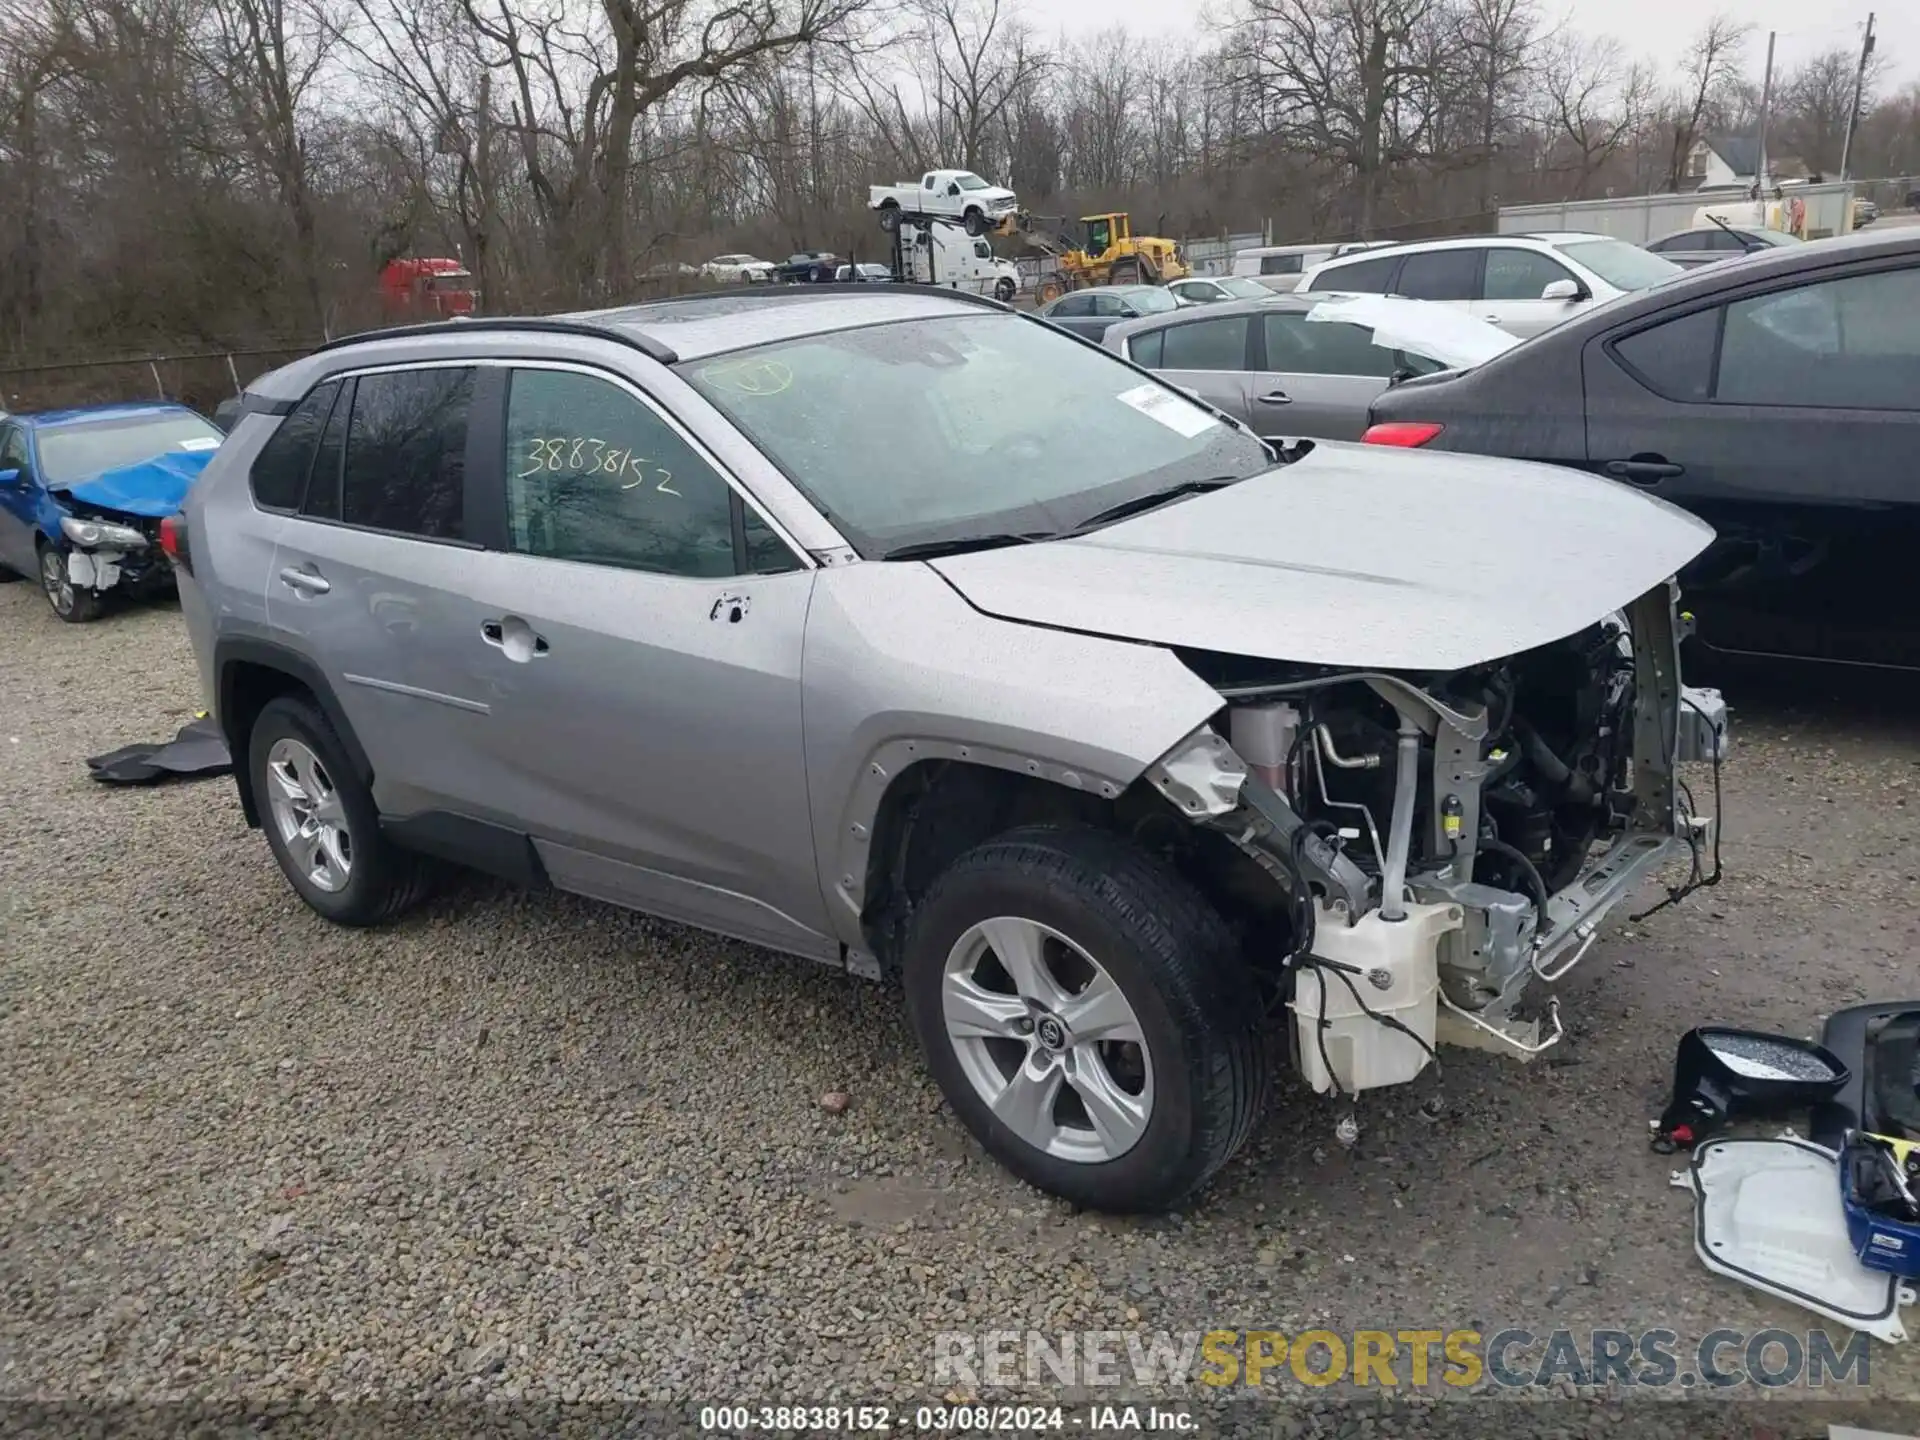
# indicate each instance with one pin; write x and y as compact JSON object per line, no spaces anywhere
{"x":537,"y":1149}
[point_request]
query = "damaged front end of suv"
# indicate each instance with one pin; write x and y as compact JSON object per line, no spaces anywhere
{"x":1448,"y":840}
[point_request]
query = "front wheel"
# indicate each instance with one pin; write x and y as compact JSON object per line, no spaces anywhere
{"x":1003,"y":290}
{"x":1087,"y":1015}
{"x":69,"y":601}
{"x":976,"y":223}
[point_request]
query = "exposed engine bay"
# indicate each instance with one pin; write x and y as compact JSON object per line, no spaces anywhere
{"x":1448,"y":840}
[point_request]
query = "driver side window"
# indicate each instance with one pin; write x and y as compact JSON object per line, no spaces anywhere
{"x":13,"y":450}
{"x":597,"y":476}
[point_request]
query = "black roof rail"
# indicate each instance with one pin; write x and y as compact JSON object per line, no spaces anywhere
{"x":549,"y":325}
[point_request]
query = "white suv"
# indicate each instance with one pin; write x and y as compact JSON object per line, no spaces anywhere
{"x":1522,"y":283}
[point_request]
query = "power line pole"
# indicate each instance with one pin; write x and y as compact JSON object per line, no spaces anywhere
{"x":1859,"y":88}
{"x":1766,"y":103}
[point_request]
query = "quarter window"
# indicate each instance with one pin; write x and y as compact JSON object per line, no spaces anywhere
{"x":1145,"y":349}
{"x":406,"y":454}
{"x":1675,"y":359}
{"x":596,"y":476}
{"x":1280,"y":264}
{"x":1206,"y":345}
{"x":279,"y":474}
{"x":1514,"y":274}
{"x":1366,"y":277}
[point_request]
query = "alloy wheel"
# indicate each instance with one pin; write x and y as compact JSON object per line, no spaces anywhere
{"x":308,"y":813}
{"x":55,"y":581}
{"x":1048,"y":1040}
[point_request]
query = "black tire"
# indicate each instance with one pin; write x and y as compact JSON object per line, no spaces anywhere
{"x":68,"y":603}
{"x":1173,"y":958}
{"x":1126,"y":272}
{"x":383,"y":880}
{"x":889,"y":217}
{"x":976,"y":222}
{"x":1004,"y":290}
{"x":7,"y":577}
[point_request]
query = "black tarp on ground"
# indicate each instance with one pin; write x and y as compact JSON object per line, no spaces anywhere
{"x":199,"y":750}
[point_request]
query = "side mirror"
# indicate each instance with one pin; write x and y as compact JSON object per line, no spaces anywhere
{"x":1564,"y":290}
{"x":1719,"y":1073}
{"x":10,"y":478}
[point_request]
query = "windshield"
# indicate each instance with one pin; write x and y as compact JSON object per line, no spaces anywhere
{"x":1242,"y":288}
{"x":1775,"y":237}
{"x":971,"y":182}
{"x":75,"y":452}
{"x":1623,"y":266}
{"x":941,"y":429}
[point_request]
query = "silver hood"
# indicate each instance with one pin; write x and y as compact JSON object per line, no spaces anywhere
{"x":1363,"y":556}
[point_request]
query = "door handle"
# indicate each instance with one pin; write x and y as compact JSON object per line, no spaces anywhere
{"x":1275,"y":397}
{"x":1650,"y":471}
{"x":514,"y":638}
{"x":309,"y":582}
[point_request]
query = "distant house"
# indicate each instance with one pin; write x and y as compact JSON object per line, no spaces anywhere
{"x":1730,"y":160}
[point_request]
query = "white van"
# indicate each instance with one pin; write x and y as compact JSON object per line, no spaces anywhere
{"x":1279,"y":267}
{"x":944,"y":254}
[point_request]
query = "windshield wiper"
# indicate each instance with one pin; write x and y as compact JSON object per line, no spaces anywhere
{"x":959,"y":545}
{"x":1152,"y":500}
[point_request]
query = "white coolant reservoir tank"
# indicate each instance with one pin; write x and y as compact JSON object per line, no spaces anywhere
{"x":1394,"y":967}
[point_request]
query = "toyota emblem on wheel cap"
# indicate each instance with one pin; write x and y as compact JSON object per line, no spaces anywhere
{"x":1052,"y":1033}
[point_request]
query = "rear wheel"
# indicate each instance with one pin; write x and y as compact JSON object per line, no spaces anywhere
{"x":889,"y":217}
{"x":1126,"y":272}
{"x":321,"y":822}
{"x":1003,"y":290}
{"x":1050,"y":289}
{"x":1088,"y":1016}
{"x":69,"y":601}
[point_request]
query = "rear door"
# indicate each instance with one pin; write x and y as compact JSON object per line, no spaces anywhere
{"x":1373,"y":276}
{"x":370,"y":576}
{"x":1314,"y":378}
{"x":19,"y":499}
{"x":1209,"y":356}
{"x":1787,"y":415}
{"x":1511,"y":287}
{"x":1449,"y":277}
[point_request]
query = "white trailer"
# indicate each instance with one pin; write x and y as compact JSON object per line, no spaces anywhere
{"x":1810,"y":211}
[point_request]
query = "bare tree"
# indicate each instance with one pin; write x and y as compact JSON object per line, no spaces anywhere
{"x":1591,"y":101}
{"x":1496,"y":42}
{"x":1344,"y":80}
{"x":1712,"y":69}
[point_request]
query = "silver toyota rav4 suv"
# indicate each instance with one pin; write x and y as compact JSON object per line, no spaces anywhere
{"x":896,"y":630}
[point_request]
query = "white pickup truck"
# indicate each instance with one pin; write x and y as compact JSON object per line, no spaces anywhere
{"x":950,"y":194}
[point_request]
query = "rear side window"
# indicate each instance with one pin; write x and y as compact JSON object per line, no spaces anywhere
{"x":1280,"y":264}
{"x":1299,"y":346}
{"x":1675,"y":359}
{"x":279,"y":474}
{"x":1206,"y":345}
{"x":406,"y":460}
{"x":1368,"y":277}
{"x":1441,"y":275}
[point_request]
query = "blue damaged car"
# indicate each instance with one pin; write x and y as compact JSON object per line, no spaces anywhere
{"x":82,"y":493}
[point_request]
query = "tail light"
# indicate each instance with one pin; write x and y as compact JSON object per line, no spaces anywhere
{"x":1407,"y":434}
{"x":173,"y":542}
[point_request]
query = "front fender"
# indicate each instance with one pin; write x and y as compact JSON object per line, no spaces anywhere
{"x":900,"y":669}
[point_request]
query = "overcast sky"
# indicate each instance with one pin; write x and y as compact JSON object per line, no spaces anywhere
{"x":1656,"y":29}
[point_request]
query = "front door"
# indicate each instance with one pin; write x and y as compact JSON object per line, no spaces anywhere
{"x":19,"y":499}
{"x":1511,"y":291}
{"x":637,"y":641}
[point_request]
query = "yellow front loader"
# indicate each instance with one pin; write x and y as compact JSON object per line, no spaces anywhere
{"x":1106,"y":253}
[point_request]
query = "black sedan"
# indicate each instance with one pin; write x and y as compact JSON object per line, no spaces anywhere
{"x":1777,"y":398}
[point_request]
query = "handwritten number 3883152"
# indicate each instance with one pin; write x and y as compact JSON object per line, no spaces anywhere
{"x":584,"y":455}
